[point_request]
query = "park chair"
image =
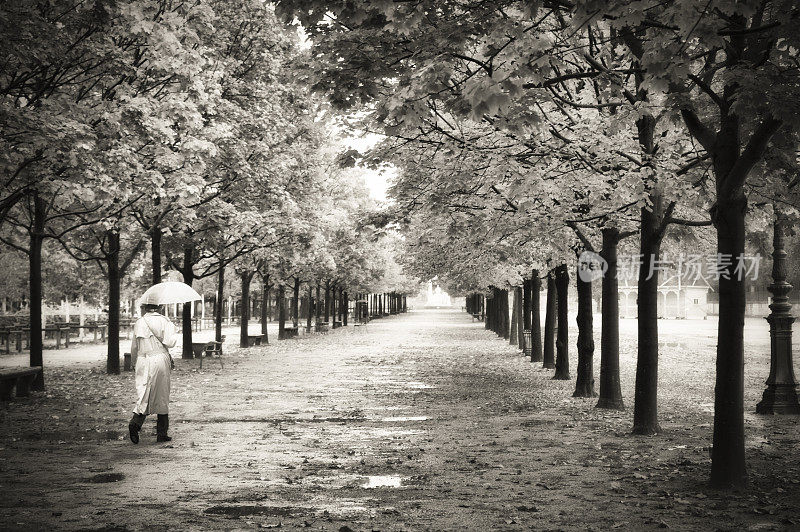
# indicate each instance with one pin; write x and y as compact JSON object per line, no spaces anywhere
{"x":212,"y":349}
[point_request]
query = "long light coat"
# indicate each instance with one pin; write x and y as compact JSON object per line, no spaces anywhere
{"x":149,"y":351}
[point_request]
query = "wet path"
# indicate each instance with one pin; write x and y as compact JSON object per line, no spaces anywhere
{"x":418,"y":421}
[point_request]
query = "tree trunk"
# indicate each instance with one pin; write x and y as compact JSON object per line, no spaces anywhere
{"x":645,"y":408}
{"x":155,"y":252}
{"x":310,"y":306}
{"x":512,"y":332}
{"x":728,"y":468}
{"x":345,"y":305}
{"x":550,"y":324}
{"x":281,"y":311}
{"x":35,"y":277}
{"x":327,"y":301}
{"x":264,"y":306}
{"x":526,"y":306}
{"x":186,"y":316}
{"x":584,"y":384}
{"x":296,"y":303}
{"x":497,"y":324}
{"x":218,"y":304}
{"x":489,"y":318}
{"x":504,"y":317}
{"x":317,"y":305}
{"x":520,"y":320}
{"x":333,"y":305}
{"x":493,"y":306}
{"x":610,"y":388}
{"x":562,"y":341}
{"x":244,"y":322}
{"x":112,"y":263}
{"x":536,"y":328}
{"x":337,"y":295}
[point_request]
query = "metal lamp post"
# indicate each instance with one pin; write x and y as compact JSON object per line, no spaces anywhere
{"x":780,"y":397}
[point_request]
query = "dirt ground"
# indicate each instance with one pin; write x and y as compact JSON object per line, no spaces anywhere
{"x":423,"y":421}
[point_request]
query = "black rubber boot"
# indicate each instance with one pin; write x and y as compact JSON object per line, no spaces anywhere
{"x":162,"y":426}
{"x":135,"y":426}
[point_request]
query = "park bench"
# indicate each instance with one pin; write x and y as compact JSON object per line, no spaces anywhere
{"x":322,"y":326}
{"x":19,"y":378}
{"x":476,"y":317}
{"x":337,"y":324}
{"x":254,"y":340}
{"x":211,"y":349}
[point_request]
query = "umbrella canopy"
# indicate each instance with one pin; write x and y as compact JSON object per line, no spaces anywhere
{"x":169,"y":292}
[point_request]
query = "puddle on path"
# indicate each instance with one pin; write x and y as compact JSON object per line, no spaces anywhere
{"x":383,"y":481}
{"x":419,"y":385}
{"x":404,"y":418}
{"x":682,"y":345}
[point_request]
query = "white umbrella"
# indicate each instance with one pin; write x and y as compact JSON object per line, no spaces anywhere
{"x":169,"y":292}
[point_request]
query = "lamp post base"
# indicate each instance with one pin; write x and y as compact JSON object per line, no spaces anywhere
{"x":779,"y":399}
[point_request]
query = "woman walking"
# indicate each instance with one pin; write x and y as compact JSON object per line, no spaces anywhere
{"x":153,"y":335}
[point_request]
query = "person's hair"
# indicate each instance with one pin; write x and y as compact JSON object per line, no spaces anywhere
{"x":151,"y":308}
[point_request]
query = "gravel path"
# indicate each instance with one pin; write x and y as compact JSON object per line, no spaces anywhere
{"x":418,"y":421}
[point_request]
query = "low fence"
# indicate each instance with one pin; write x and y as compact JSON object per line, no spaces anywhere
{"x":760,"y":309}
{"x":15,"y":334}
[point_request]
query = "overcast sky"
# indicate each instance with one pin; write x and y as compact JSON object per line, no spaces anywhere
{"x":377,"y":182}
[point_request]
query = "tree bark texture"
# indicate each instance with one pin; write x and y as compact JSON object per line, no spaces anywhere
{"x":645,"y":408}
{"x":728,"y":467}
{"x":186,"y":312}
{"x":610,"y":387}
{"x":549,"y":356}
{"x":244,"y":324}
{"x":520,"y":318}
{"x":155,"y":253}
{"x":562,"y":341}
{"x":112,"y":264}
{"x":218,"y":307}
{"x":584,"y":383}
{"x":296,"y":303}
{"x":281,"y":311}
{"x":35,"y":278}
{"x":512,"y":332}
{"x":536,"y":328}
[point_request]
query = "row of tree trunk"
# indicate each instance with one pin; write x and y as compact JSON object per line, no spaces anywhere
{"x":385,"y":303}
{"x":521,"y":326}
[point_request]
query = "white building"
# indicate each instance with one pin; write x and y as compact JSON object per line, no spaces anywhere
{"x":681,"y":294}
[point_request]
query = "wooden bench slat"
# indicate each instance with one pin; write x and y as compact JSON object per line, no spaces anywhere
{"x":19,"y":378}
{"x":17,"y":372}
